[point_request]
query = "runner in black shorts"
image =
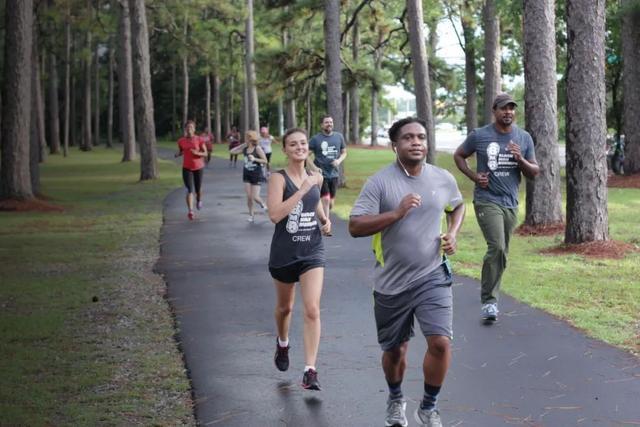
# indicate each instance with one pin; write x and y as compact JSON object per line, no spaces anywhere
{"x":252,"y":175}
{"x":194,"y":151}
{"x":329,"y":150}
{"x":297,"y":252}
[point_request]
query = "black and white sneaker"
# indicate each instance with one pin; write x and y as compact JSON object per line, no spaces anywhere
{"x":282,"y":357}
{"x":310,"y":380}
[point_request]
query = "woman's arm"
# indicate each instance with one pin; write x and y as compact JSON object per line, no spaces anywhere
{"x":278,"y":208}
{"x":238,"y":149}
{"x":261,"y":157}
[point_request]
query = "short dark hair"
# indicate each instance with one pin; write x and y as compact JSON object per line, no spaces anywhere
{"x":326,"y":116}
{"x":395,"y":128}
{"x":291,"y":131}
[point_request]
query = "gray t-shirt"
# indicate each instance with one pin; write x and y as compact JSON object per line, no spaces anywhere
{"x":326,"y":149}
{"x":492,"y":156}
{"x":409,"y":249}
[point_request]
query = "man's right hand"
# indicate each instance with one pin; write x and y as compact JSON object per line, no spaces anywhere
{"x":408,"y":202}
{"x":482,"y":179}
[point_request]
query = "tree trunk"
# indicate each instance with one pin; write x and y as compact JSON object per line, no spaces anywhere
{"x":73,"y":117}
{"x":544,"y":202}
{"x":54,"y":107}
{"x":244,"y":110}
{"x":280,"y":105}
{"x":216,"y":105}
{"x":86,"y":104}
{"x":39,"y":144}
{"x":96,"y":113}
{"x":143,"y":99}
{"x":125,"y":83}
{"x":421,"y":73}
{"x":354,"y":114}
{"x":252,"y":91}
{"x":174,"y":102}
{"x":333,"y":67}
{"x":227,"y":108}
{"x":110,"y":96}
{"x":468,"y":31}
{"x":375,"y":87}
{"x":587,"y":216}
{"x":37,"y":128}
{"x":207,"y":120}
{"x":492,"y":57}
{"x":67,"y":82}
{"x":631,"y":85}
{"x":345,"y":118}
{"x":15,"y":182}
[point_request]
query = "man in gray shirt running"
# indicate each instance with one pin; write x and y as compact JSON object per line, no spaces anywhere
{"x":329,"y":150}
{"x":402,"y":207}
{"x":503,"y":151}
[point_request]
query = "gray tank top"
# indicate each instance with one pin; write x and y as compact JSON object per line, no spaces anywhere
{"x":297,"y":237}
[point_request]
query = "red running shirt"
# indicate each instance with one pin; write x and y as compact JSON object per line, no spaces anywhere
{"x":189,"y":160}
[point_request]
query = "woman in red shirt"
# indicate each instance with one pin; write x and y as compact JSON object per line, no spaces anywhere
{"x":194,"y":151}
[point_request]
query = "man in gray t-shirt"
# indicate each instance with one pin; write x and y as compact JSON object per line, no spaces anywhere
{"x":329,"y":150}
{"x":402,"y":207}
{"x":503,"y":151}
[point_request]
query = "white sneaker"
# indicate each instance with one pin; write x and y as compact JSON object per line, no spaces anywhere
{"x":396,"y":413}
{"x":425,"y":417}
{"x":250,"y":219}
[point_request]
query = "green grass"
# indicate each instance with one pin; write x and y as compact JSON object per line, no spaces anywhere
{"x":602,"y":297}
{"x":70,"y":360}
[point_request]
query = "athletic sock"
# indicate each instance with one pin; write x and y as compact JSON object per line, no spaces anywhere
{"x":395,"y":390}
{"x":307,"y":367}
{"x":430,"y":397}
{"x":283,"y":343}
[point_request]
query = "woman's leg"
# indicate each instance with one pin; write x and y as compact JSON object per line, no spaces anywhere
{"x":285,"y":297}
{"x":256,"y":195}
{"x":248,"y":188}
{"x":311,"y":290}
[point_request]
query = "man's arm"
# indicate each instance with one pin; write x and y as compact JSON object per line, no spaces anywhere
{"x":366,"y":225}
{"x":454,"y":222}
{"x":529,"y":168}
{"x":460,"y":158}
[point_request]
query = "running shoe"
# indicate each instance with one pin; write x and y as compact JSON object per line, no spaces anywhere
{"x":428,"y":417}
{"x":190,"y":215}
{"x":490,"y":312}
{"x":282,"y":357}
{"x":310,"y":380}
{"x":396,"y":413}
{"x":199,"y":204}
{"x":250,"y":219}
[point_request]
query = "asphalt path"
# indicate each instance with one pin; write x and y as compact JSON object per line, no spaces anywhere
{"x":528,"y":369}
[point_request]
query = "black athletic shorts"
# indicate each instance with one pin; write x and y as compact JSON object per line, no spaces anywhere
{"x":253,"y":177}
{"x":192,"y":180}
{"x":291,"y":273}
{"x":329,"y":186}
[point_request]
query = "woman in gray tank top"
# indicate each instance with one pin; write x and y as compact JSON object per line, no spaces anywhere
{"x":297,"y":252}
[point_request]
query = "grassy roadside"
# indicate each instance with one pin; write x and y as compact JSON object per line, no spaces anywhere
{"x":601,"y":297}
{"x":87,"y":335}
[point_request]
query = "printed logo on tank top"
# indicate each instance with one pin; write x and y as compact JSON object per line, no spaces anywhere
{"x":299,"y":221}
